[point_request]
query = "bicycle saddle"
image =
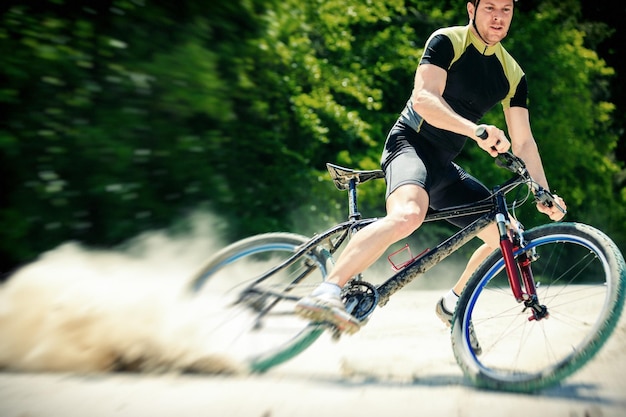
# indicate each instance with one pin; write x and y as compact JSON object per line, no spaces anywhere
{"x":341,"y":176}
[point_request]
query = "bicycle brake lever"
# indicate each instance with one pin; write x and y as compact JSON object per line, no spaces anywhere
{"x":504,"y":160}
{"x":511,"y":162}
{"x":547,"y":199}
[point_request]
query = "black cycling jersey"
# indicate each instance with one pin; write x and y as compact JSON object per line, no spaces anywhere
{"x":418,"y":153}
{"x":478,"y":78}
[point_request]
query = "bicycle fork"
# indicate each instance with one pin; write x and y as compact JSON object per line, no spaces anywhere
{"x":518,"y":270}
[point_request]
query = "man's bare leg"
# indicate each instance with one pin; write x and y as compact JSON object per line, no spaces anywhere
{"x":406,"y":209}
{"x":447,"y":304}
{"x":490,"y":237}
{"x":474,"y":262}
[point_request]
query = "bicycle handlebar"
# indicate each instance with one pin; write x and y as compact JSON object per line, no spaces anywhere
{"x":515,"y":164}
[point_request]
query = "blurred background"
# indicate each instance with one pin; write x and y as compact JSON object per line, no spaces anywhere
{"x":120,"y":117}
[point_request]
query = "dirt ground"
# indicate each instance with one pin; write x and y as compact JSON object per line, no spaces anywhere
{"x":400,"y":364}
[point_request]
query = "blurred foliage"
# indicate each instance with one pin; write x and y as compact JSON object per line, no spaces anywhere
{"x":122,"y":116}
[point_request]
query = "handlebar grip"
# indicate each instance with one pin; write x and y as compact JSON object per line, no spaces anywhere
{"x":481,"y":131}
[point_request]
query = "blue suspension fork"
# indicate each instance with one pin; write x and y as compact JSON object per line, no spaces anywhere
{"x":516,"y":267}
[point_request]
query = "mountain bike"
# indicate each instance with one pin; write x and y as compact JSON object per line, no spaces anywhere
{"x":541,"y":306}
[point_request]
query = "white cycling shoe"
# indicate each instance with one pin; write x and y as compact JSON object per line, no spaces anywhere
{"x":327,"y":308}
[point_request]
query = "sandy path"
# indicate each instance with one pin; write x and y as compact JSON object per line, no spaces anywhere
{"x":400,"y":364}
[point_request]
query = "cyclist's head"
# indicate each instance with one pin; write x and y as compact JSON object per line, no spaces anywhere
{"x":490,"y":19}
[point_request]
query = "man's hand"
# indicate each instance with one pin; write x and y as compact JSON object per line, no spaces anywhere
{"x":496,"y":141}
{"x":553,"y":212}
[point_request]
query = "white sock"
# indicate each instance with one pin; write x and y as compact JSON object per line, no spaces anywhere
{"x":449,"y":300}
{"x":327,"y":288}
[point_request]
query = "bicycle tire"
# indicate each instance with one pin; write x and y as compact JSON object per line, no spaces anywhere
{"x":261,"y":339}
{"x":581,"y":278}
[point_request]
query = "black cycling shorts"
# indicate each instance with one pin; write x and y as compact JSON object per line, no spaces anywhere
{"x":410,"y":159}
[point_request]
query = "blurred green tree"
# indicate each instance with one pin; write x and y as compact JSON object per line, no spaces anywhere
{"x":123,"y":116}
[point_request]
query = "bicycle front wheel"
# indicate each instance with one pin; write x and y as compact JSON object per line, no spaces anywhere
{"x":580,"y":277}
{"x":254,"y":292}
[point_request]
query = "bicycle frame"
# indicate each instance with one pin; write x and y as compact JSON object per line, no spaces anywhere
{"x":495,"y":210}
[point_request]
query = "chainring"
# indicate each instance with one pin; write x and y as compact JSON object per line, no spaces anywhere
{"x":360,"y":298}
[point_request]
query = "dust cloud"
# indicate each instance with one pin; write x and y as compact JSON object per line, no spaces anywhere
{"x":77,"y":309}
{"x":82,"y":310}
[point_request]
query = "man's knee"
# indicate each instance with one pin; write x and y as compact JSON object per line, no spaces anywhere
{"x":406,"y":209}
{"x":406,"y":221}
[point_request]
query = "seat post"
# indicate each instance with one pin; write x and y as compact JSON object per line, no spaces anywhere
{"x":352,"y":200}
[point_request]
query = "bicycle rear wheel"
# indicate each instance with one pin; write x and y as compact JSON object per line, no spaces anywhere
{"x":255,"y":321}
{"x":580,"y":276}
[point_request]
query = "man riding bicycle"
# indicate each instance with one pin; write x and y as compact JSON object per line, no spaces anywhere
{"x":464,"y":71}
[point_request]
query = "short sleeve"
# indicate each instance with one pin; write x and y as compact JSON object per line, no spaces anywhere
{"x":520,"y":97}
{"x":438,"y":51}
